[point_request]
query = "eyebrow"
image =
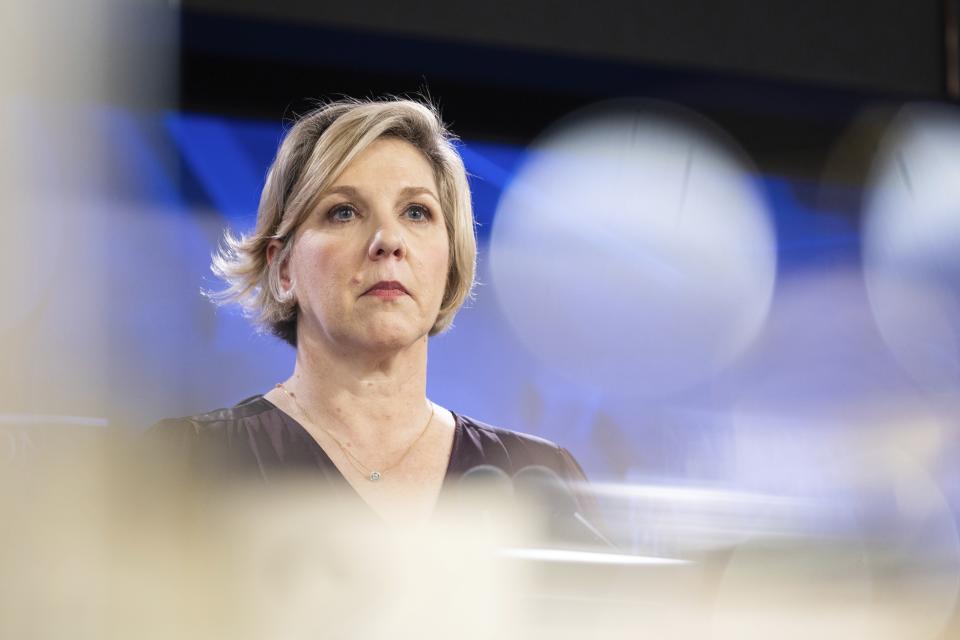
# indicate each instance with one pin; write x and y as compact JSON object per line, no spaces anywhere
{"x":344,"y":190}
{"x":416,"y":191}
{"x":352,"y":192}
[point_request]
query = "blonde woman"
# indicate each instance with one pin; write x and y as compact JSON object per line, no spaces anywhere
{"x":364,"y":248}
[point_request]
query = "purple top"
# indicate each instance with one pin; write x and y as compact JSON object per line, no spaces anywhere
{"x":256,"y":438}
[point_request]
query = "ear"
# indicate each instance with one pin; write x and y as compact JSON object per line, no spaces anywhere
{"x":273,"y":251}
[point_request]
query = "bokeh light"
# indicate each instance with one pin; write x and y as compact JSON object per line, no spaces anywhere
{"x":632,"y":250}
{"x":911,"y":244}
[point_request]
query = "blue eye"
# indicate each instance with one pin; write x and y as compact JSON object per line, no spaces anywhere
{"x":418,"y":213}
{"x":342,"y":213}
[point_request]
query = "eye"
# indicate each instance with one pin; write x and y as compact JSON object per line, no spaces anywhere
{"x":418,"y":213}
{"x":342,"y":213}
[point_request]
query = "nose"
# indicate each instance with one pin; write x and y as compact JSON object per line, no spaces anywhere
{"x":386,"y":242}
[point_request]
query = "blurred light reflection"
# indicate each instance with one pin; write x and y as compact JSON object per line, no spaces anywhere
{"x":628,"y":225}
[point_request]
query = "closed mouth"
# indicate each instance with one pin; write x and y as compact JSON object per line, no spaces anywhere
{"x":387,"y":287}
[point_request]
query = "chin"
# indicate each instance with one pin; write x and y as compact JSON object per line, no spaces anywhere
{"x":392,"y":336}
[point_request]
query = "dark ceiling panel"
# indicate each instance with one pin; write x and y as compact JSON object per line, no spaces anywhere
{"x":884,"y":45}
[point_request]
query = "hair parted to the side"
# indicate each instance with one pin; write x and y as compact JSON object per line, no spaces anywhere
{"x":312,"y":155}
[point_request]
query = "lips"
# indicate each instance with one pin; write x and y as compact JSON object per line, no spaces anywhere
{"x":386,"y":288}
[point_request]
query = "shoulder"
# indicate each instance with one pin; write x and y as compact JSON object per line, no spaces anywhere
{"x":246,"y":408}
{"x":220,"y":421}
{"x":482,"y":443}
{"x":251,"y":435}
{"x":487,"y":433}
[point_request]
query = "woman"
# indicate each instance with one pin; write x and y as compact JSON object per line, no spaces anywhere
{"x":364,"y":248}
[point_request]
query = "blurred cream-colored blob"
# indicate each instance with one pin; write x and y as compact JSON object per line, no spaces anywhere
{"x":911,"y":243}
{"x":309,"y":564}
{"x":101,"y":540}
{"x":97,"y":542}
{"x":915,"y":544}
{"x":879,"y":556}
{"x":794,"y":589}
{"x":878,"y":553}
{"x":65,"y":65}
{"x":48,"y":158}
{"x":632,"y":251}
{"x":897,"y":579}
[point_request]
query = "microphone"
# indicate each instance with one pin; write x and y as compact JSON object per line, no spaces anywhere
{"x":489,"y":479}
{"x":544,"y":489}
{"x":486,"y":492}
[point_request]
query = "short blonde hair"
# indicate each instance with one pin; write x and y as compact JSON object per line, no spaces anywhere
{"x":313,"y":154}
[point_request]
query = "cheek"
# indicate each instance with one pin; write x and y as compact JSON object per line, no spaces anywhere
{"x":314,"y":269}
{"x":437,"y":258}
{"x":443,"y":258}
{"x":441,"y":267}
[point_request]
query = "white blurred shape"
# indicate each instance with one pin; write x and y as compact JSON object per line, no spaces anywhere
{"x":588,"y":557}
{"x":632,"y":251}
{"x":682,"y":520}
{"x":911,"y":244}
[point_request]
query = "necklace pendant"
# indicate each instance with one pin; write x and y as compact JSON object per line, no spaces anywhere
{"x":374,"y":476}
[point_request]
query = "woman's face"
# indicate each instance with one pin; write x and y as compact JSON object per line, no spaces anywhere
{"x":369,"y":264}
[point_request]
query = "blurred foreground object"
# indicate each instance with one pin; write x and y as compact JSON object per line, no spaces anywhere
{"x":103,"y":538}
{"x":65,"y":194}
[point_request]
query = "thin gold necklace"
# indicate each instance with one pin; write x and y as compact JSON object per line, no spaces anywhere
{"x":372,"y":475}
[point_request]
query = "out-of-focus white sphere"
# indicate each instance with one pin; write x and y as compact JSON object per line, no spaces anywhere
{"x":632,"y":250}
{"x":911,"y":244}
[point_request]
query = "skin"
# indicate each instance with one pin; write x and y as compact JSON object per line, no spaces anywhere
{"x":361,"y":361}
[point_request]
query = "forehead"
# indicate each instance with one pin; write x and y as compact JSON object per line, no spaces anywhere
{"x":388,"y":161}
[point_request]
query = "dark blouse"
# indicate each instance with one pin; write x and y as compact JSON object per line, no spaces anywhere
{"x":256,"y":438}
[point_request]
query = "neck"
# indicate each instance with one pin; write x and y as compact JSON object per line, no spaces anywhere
{"x":371,"y":399}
